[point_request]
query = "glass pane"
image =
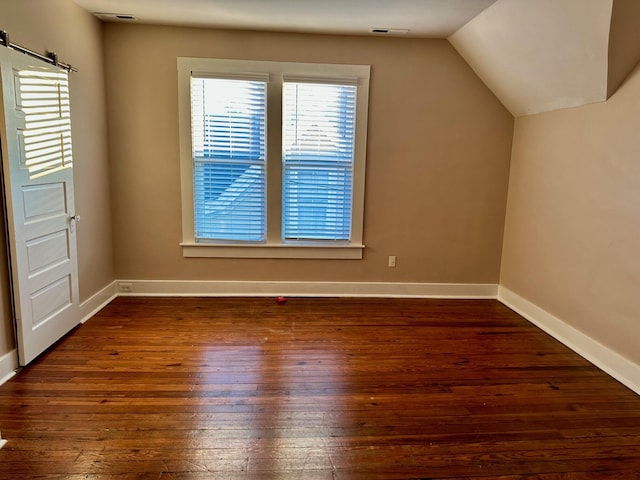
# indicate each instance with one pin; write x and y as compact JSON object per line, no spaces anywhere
{"x":229,"y":201}
{"x":43,"y":97}
{"x":317,"y":202}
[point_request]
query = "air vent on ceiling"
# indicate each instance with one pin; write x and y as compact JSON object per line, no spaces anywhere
{"x":125,"y":17}
{"x":389,"y":31}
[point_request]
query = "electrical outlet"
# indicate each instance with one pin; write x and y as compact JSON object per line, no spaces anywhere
{"x":125,"y":287}
{"x":392,"y":261}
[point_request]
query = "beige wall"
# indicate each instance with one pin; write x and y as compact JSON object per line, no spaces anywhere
{"x":438,"y":157}
{"x":61,"y":26}
{"x":572,"y":234}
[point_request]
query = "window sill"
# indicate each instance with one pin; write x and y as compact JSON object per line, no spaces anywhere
{"x":344,"y":252}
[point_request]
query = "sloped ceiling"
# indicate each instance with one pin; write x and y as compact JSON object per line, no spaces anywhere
{"x":541,"y":55}
{"x":546,"y":55}
{"x":624,"y":42}
{"x":535,"y":55}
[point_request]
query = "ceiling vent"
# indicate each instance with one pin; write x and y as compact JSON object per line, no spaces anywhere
{"x":389,"y":31}
{"x":115,"y":17}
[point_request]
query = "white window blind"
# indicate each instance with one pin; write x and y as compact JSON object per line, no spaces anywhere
{"x":318,"y":161}
{"x":228,"y":144}
{"x":46,"y":138}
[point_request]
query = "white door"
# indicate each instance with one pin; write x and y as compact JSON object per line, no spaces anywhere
{"x":38,"y":187}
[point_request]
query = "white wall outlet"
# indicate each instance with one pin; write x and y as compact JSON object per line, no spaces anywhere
{"x":125,"y":287}
{"x":392,"y":261}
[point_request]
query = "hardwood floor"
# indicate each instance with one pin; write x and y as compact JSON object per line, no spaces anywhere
{"x":315,"y":389}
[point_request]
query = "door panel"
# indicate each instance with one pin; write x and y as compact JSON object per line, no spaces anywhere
{"x":46,"y":251}
{"x":43,"y":201}
{"x":38,"y":186}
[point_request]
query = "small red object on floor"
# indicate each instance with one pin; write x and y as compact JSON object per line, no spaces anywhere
{"x":281,"y":299}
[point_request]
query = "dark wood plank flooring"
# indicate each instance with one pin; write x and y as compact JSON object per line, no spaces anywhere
{"x":195,"y":388}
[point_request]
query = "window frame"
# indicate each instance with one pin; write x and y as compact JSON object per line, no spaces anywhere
{"x":274,"y":246}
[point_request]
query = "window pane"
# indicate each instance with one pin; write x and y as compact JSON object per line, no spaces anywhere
{"x":44,"y":99}
{"x":318,"y":144}
{"x":228,"y":135}
{"x":227,"y":197}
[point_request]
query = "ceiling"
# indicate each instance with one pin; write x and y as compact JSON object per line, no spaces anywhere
{"x":422,"y":18}
{"x":540,"y":55}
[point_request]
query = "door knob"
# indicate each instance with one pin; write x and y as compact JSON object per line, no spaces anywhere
{"x":72,"y":222}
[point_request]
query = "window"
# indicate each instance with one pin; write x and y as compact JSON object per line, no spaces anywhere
{"x":272,"y":158}
{"x":43,"y":97}
{"x":317,"y":154}
{"x":229,"y":153}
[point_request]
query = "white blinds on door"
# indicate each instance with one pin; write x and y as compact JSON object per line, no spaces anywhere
{"x":43,"y":97}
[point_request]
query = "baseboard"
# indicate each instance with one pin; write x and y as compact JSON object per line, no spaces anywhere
{"x":92,"y":305}
{"x":305,"y":289}
{"x":8,"y":365}
{"x":611,"y":362}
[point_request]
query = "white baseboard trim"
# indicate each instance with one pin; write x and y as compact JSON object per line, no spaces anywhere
{"x":606,"y":359}
{"x":92,"y":305}
{"x":304,"y":289}
{"x":2,"y":442}
{"x":8,"y":365}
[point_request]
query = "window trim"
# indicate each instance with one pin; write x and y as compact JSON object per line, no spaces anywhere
{"x":274,"y":247}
